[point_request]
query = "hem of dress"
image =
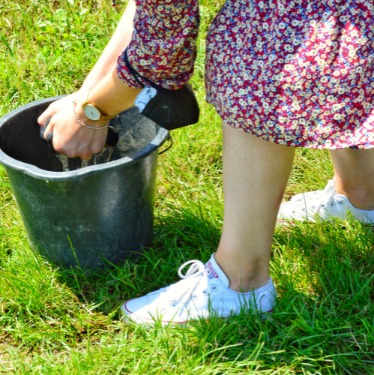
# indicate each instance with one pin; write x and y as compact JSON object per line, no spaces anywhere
{"x":314,"y":146}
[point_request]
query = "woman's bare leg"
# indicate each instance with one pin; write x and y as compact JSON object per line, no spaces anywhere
{"x":255,"y":174}
{"x":354,"y":176}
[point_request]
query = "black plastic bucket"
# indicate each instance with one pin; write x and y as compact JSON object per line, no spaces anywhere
{"x":89,"y":216}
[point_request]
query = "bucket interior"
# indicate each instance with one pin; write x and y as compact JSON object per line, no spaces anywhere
{"x":20,"y":139}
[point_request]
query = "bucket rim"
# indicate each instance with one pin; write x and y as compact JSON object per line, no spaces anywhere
{"x":34,"y":171}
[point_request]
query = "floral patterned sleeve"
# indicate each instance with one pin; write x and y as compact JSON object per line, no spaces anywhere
{"x":163,"y":45}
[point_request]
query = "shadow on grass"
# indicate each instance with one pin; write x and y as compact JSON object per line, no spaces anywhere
{"x":177,"y":238}
{"x":332,"y":264}
{"x":321,"y":325}
{"x":323,"y":320}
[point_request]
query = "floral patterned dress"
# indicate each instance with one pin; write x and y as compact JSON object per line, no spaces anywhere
{"x":297,"y":73}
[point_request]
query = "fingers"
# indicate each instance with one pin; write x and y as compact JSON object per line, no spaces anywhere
{"x":55,"y":107}
{"x":69,"y":137}
{"x":45,"y":116}
{"x":83,"y":143}
{"x":48,"y":113}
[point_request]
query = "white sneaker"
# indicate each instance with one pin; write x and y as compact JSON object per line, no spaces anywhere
{"x":203,"y":291}
{"x":323,"y":204}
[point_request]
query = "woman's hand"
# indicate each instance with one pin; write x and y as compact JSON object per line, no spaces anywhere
{"x":70,"y":137}
{"x":56,"y":106}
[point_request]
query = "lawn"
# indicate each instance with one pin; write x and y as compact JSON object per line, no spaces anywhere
{"x":66,"y":321}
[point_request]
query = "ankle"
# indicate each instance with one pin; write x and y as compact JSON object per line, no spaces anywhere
{"x":360,"y":198}
{"x":243,"y":285}
{"x":244,"y":276}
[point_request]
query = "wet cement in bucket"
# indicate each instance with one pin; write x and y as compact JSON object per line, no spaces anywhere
{"x":127,"y":133}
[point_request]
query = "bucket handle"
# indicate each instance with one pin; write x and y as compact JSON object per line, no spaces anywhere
{"x":170,"y":141}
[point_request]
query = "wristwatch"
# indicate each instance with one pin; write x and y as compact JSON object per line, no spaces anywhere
{"x":92,"y":112}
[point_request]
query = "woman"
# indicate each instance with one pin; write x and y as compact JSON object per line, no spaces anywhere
{"x":281,"y":74}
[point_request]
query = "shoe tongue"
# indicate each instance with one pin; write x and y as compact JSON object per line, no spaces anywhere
{"x":330,"y":188}
{"x":215,"y":271}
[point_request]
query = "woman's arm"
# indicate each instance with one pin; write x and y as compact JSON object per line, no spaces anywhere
{"x":68,"y":136}
{"x":119,"y":41}
{"x":162,"y":49}
{"x":108,"y":59}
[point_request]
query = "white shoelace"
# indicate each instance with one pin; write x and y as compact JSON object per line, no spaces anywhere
{"x":196,"y":269}
{"x":184,"y":290}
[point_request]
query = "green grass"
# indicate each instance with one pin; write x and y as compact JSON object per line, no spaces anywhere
{"x":58,"y":321}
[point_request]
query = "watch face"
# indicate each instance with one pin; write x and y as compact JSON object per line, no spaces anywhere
{"x":92,"y":112}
